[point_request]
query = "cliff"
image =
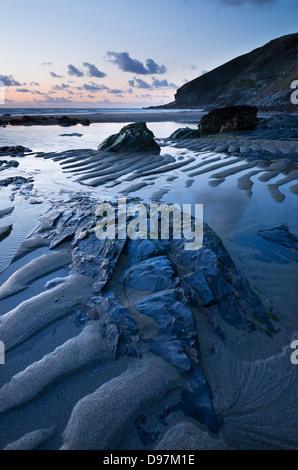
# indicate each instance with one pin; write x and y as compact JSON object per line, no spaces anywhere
{"x":261,"y":78}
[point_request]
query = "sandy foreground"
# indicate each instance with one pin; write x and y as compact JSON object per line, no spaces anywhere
{"x":120,"y":345}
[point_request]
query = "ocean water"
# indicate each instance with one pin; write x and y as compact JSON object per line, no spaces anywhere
{"x":53,"y":111}
{"x":51,"y":138}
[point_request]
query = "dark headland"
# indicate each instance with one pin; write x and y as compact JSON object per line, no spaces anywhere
{"x":260,"y":78}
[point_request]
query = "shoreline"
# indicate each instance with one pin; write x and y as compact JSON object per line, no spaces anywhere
{"x":53,"y":119}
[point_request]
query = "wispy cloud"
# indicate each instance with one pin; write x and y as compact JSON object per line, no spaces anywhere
{"x":93,"y":71}
{"x":92,"y":87}
{"x":72,"y":70}
{"x":139,"y":83}
{"x":162,"y":83}
{"x":63,"y":86}
{"x":53,"y":99}
{"x":54,"y":75}
{"x":190,"y":67}
{"x":127,"y":64}
{"x":47,"y":63}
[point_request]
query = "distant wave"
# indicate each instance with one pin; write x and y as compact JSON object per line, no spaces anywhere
{"x":15,"y":111}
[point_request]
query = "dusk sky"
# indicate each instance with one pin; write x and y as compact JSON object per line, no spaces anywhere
{"x":131,"y":53}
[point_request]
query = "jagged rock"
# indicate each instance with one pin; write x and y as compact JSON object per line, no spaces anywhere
{"x":74,"y":134}
{"x":14,"y":150}
{"x":132,"y":138}
{"x":15,"y":180}
{"x":151,"y":275}
{"x":280,"y":236}
{"x":4,"y":164}
{"x":185,"y":133}
{"x":229,"y":119}
{"x":67,"y":121}
{"x":5,"y":231}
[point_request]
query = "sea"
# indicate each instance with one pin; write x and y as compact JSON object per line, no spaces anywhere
{"x":55,"y":138}
{"x":54,"y":111}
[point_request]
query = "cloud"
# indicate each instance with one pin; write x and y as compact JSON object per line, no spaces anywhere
{"x":54,"y":75}
{"x":23,"y":90}
{"x":63,"y":86}
{"x":93,"y":87}
{"x":138,"y":83}
{"x":93,"y":71}
{"x":51,"y":99}
{"x":34,"y":84}
{"x":127,"y":64}
{"x":46,"y":63}
{"x":162,"y":83}
{"x":191,"y":67}
{"x":8,"y":80}
{"x":115,"y":91}
{"x":144,"y":96}
{"x":72,"y":70}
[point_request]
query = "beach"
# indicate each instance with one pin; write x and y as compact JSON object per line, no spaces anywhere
{"x":104,"y":117}
{"x":118,"y":344}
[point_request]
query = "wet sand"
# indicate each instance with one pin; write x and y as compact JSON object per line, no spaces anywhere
{"x":62,"y":386}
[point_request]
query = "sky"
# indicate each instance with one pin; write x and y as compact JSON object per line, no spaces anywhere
{"x":126,"y":53}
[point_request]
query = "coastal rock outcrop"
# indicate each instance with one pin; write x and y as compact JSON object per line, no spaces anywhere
{"x":134,"y":137}
{"x":254,"y":78}
{"x":4,"y":164}
{"x":144,"y":309}
{"x":5,"y":231}
{"x":17,"y":150}
{"x":280,"y":236}
{"x":229,"y":119}
{"x":185,"y":133}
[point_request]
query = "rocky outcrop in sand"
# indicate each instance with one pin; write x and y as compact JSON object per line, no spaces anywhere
{"x":230,"y":119}
{"x":132,"y":138}
{"x":136,"y":302}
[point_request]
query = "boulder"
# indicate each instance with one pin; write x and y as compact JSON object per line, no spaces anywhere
{"x":185,"y":133}
{"x":131,"y":138}
{"x":67,"y":121}
{"x":230,"y":119}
